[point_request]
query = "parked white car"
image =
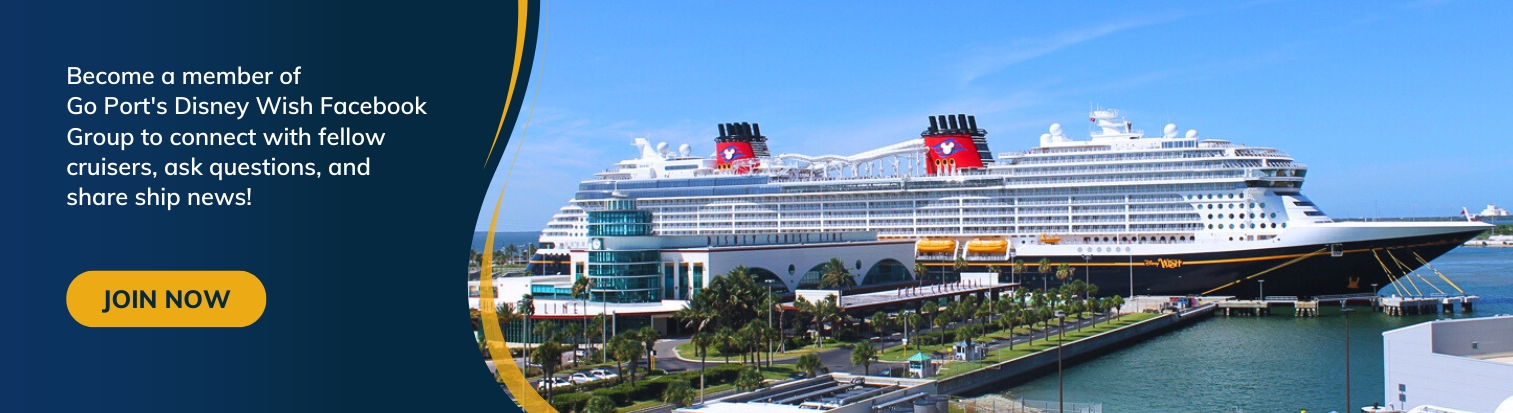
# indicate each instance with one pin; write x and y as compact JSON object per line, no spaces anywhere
{"x":580,"y":378}
{"x":554,"y":381}
{"x":602,"y":374}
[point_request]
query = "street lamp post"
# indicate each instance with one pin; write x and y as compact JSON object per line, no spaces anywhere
{"x":1060,"y":381}
{"x":1013,"y":273}
{"x":769,"y":320}
{"x":1346,"y":312}
{"x":1087,"y":277}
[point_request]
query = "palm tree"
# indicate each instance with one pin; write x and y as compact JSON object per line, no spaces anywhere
{"x":548,"y":355}
{"x":836,"y":275}
{"x":929,"y":307}
{"x":576,"y":332}
{"x":627,"y":351}
{"x":914,"y":319}
{"x":580,"y":291}
{"x":1045,"y":269}
{"x":750,"y":335}
{"x":749,"y":379}
{"x":702,"y":341}
{"x":878,"y":322}
{"x":1116,"y":303}
{"x":510,"y":251}
{"x":600,"y":404}
{"x":809,"y":364}
{"x":678,"y":393}
{"x":527,"y":308}
{"x":919,"y":270}
{"x":1017,"y":269}
{"x":1011,"y":315}
{"x":1063,"y":271}
{"x":862,"y":354}
{"x":726,"y":340}
{"x":961,"y":263}
{"x":698,"y":314}
{"x":647,"y":337}
{"x":942,"y":322}
{"x":821,"y":312}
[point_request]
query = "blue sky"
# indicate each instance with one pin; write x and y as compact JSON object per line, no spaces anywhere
{"x":1398,"y":108}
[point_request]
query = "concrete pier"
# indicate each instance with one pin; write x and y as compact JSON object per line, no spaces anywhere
{"x":1427,"y":305}
{"x":1029,"y":366}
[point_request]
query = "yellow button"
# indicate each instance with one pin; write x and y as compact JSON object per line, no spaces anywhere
{"x":166,"y":299}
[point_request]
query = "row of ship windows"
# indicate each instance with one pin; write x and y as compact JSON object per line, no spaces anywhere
{"x":926,"y":213}
{"x":1242,"y":226}
{"x":988,"y":192}
{"x":1230,"y":206}
{"x":1134,"y":168}
{"x":1135,"y":202}
{"x":1242,"y":215}
{"x":950,"y":218}
{"x":1121,"y":157}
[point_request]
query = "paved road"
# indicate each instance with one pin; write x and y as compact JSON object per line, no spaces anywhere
{"x":837,"y":359}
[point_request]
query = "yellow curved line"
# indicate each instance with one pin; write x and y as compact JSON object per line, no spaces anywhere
{"x":509,"y":373}
{"x":1441,"y":275}
{"x":1268,"y":270}
{"x":524,"y":16}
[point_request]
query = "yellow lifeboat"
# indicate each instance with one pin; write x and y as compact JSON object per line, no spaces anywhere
{"x":995,"y":246}
{"x":935,"y":245}
{"x":1049,"y":239}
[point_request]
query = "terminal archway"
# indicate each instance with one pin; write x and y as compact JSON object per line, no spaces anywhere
{"x":761,"y":275}
{"x":812,"y":278}
{"x":887,"y":271}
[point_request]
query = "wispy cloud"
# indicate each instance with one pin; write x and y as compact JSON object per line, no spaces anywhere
{"x":1424,"y":4}
{"x":996,"y":58}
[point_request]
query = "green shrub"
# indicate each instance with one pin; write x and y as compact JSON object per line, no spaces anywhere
{"x":570,"y":402}
{"x":621,"y":394}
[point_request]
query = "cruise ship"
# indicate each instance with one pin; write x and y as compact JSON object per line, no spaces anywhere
{"x":1175,"y":214}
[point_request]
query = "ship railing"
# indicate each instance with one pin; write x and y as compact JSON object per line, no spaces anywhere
{"x":1336,"y":297}
{"x":1280,"y":298}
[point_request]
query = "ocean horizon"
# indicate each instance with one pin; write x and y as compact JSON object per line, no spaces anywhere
{"x":503,"y":238}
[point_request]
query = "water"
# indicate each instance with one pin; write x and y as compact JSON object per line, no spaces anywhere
{"x":1269,"y":364}
{"x":502,"y":239}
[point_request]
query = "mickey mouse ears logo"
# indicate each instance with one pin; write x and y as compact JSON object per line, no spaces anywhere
{"x":731,"y":153}
{"x":946,"y":148}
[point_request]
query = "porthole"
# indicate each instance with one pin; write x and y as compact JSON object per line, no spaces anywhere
{"x":1252,"y":204}
{"x":1231,"y":216}
{"x":1284,"y":225}
{"x":1273,"y":225}
{"x":1210,"y":216}
{"x":1273,"y":215}
{"x":1079,"y":249}
{"x":1252,"y":215}
{"x":1210,"y":226}
{"x":1263,"y":205}
{"x":1231,"y":226}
